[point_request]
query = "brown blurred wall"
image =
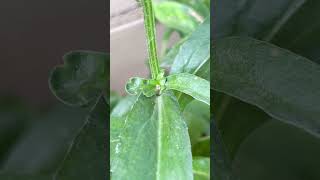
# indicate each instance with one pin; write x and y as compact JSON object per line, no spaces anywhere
{"x":34,"y":34}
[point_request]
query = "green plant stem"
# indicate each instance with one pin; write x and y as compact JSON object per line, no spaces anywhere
{"x":149,"y":24}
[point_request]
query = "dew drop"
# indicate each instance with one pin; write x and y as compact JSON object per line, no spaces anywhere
{"x":118,"y":148}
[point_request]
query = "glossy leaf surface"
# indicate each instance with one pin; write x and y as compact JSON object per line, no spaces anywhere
{"x":81,"y":79}
{"x":250,"y":69}
{"x":154,"y":142}
{"x":191,"y":85}
{"x":118,"y":117}
{"x":194,"y":52}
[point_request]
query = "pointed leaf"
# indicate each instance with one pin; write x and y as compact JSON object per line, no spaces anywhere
{"x":190,"y":84}
{"x":193,"y":57}
{"x":81,"y":79}
{"x":270,"y":78}
{"x":154,"y":142}
{"x":194,"y":52}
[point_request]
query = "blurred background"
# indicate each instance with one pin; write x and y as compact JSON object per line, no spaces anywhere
{"x":35,"y":128}
{"x":128,"y":43}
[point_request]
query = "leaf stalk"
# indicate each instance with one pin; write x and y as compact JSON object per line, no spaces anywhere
{"x":149,"y":24}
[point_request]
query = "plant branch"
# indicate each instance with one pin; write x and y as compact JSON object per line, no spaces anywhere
{"x":149,"y":24}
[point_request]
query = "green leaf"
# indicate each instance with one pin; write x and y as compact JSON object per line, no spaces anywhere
{"x":8,"y":176}
{"x":202,"y":7}
{"x":154,"y":142}
{"x":201,"y":168}
{"x":41,"y":145}
{"x":14,"y":117}
{"x":249,"y":70}
{"x":193,"y":57}
{"x":221,"y":161}
{"x":177,"y":16}
{"x":87,"y":156}
{"x":278,"y":151}
{"x":168,"y":58}
{"x":118,"y":117}
{"x":190,"y":84}
{"x":283,"y":22}
{"x":194,"y":53}
{"x":201,"y":147}
{"x":197,"y":117}
{"x":236,"y":120}
{"x":77,"y":153}
{"x":114,"y":99}
{"x":81,"y":79}
{"x":234,"y":18}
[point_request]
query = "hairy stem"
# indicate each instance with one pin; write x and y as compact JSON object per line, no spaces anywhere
{"x":149,"y":24}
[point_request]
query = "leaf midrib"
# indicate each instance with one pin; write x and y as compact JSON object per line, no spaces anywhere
{"x":159,"y":105}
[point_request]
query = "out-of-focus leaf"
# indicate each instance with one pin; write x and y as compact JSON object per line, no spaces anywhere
{"x":167,"y":60}
{"x":191,"y":85}
{"x":44,"y":142}
{"x":201,"y":168}
{"x":299,"y":34}
{"x":220,"y":158}
{"x":202,"y":7}
{"x":82,"y":78}
{"x":153,"y":128}
{"x":8,"y":176}
{"x":281,"y":22}
{"x":87,"y":157}
{"x":197,"y":116}
{"x":236,"y":120}
{"x":65,"y":152}
{"x":177,"y":16}
{"x":249,"y":69}
{"x":114,"y":99}
{"x":278,"y":151}
{"x":258,"y":19}
{"x":201,"y":147}
{"x":14,"y":117}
